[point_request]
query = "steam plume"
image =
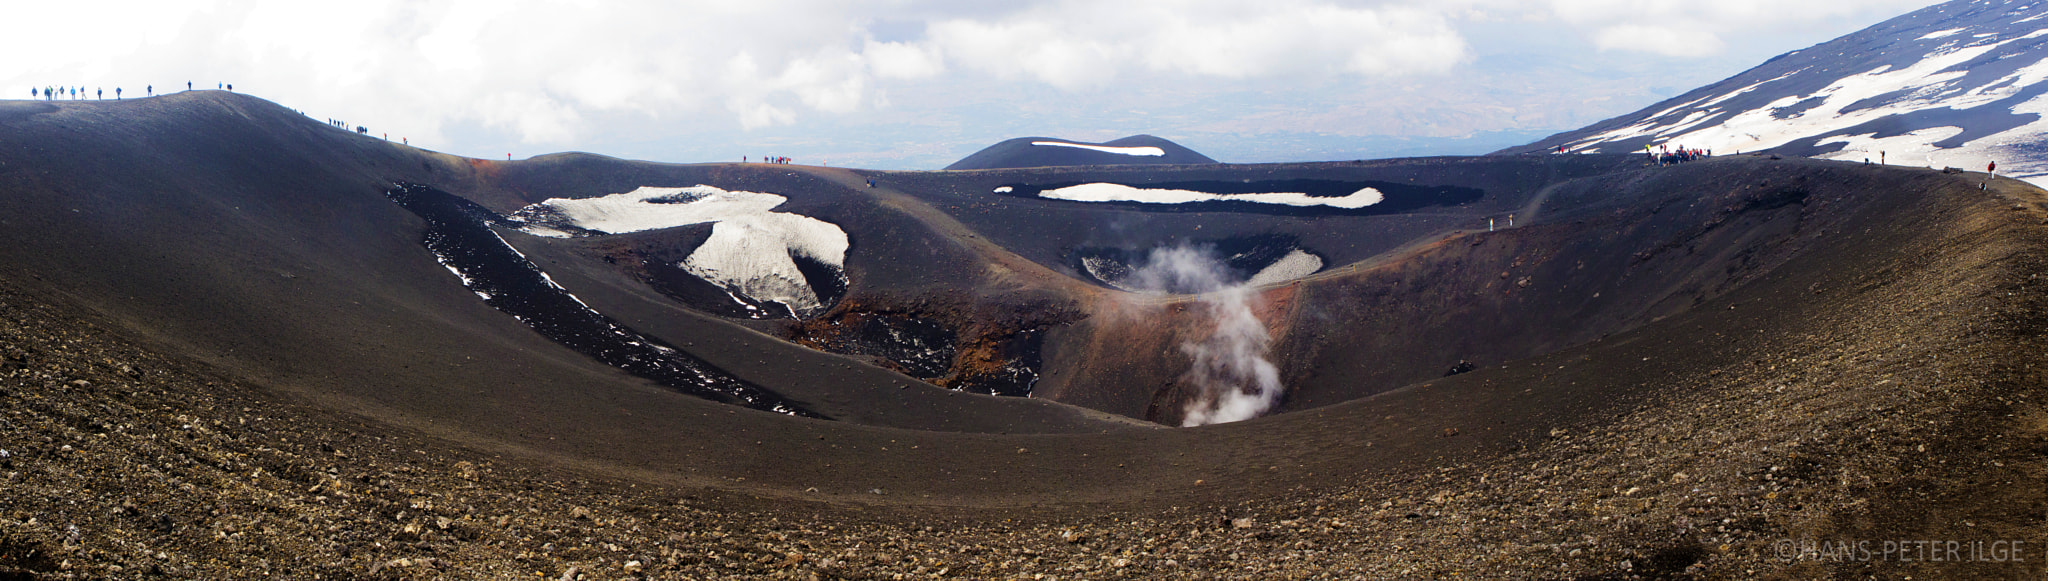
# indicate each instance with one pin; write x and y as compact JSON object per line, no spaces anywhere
{"x":1234,"y":380}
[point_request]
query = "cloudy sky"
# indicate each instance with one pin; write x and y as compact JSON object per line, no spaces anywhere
{"x":916,"y":84}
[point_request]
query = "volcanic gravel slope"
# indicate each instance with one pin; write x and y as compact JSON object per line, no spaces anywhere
{"x":226,"y":355}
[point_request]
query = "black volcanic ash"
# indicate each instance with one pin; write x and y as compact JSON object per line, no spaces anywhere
{"x":460,"y":236}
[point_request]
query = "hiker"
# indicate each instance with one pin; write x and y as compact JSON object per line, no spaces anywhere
{"x":117,"y":93}
{"x":1880,"y":158}
{"x":231,"y":87}
{"x":151,"y":89}
{"x":188,"y":85}
{"x":100,"y":94}
{"x":1991,"y":169}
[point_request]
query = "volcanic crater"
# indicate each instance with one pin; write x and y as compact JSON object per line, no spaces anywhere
{"x":966,"y":364}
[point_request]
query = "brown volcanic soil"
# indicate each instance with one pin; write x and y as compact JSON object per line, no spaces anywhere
{"x":169,"y":412}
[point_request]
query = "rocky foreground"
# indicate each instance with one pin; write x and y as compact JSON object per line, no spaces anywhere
{"x":1909,"y":414}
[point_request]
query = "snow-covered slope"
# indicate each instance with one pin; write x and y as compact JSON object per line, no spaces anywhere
{"x":1956,"y":84}
{"x":751,"y":252}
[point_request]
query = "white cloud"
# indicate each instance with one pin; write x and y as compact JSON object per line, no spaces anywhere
{"x":538,"y":118}
{"x":897,"y":60}
{"x":1662,"y":40}
{"x":1073,"y":44}
{"x":1698,"y":29}
{"x":537,"y":74}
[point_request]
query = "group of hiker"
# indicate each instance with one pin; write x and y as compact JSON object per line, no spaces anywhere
{"x":366,"y":131}
{"x":1665,"y":155}
{"x":767,"y":159}
{"x":52,"y":93}
{"x":70,"y":93}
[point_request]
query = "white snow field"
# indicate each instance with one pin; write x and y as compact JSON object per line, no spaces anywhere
{"x":1938,"y":84}
{"x":1107,"y":192}
{"x":1148,"y":150}
{"x":749,"y":252}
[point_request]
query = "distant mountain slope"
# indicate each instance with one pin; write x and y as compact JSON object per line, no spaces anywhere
{"x":1955,"y":84}
{"x":1046,"y":151}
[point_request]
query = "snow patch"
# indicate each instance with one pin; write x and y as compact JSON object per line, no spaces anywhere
{"x":1148,"y":150}
{"x":751,"y":255}
{"x":1939,"y":34}
{"x":751,"y":251}
{"x":1108,"y":192}
{"x":1912,"y":148}
{"x":1296,"y":264}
